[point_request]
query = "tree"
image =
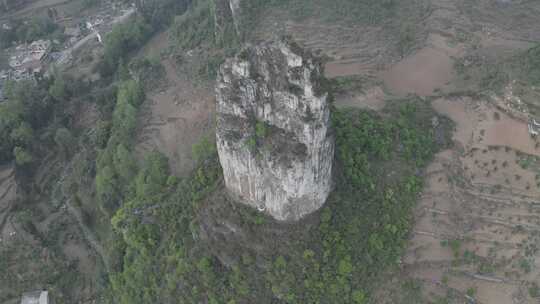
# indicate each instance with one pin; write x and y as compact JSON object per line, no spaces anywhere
{"x":22,"y":134}
{"x":160,"y":12}
{"x":153,"y":176}
{"x":122,"y":40}
{"x":358,"y":297}
{"x":345,"y":267}
{"x":22,"y":156}
{"x":132,"y":92}
{"x":106,"y":189}
{"x":65,"y":141}
{"x":58,"y":89}
{"x":125,"y":164}
{"x":123,"y":71}
{"x":204,"y":149}
{"x":124,"y":119}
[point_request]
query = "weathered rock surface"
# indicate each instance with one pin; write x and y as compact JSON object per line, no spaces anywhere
{"x":236,"y":10}
{"x":226,"y":18}
{"x":273,"y":130}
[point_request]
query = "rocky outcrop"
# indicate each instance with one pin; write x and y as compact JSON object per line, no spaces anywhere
{"x":226,"y":19}
{"x":236,"y":7}
{"x":273,"y":129}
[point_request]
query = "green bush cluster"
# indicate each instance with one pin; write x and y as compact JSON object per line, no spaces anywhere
{"x":31,"y":115}
{"x":39,"y":27}
{"x":159,"y":13}
{"x":532,"y":64}
{"x":126,"y":37}
{"x":116,"y":164}
{"x":157,"y":264}
{"x":194,"y":27}
{"x":362,"y":229}
{"x":148,"y":71}
{"x":123,"y":39}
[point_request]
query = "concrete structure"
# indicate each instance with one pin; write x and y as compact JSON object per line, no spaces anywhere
{"x":35,"y":297}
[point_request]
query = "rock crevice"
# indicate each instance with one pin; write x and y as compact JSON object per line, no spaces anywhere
{"x":273,"y":129}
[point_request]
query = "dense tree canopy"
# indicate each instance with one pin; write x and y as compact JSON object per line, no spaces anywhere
{"x":38,"y":27}
{"x":116,"y":164}
{"x":32,"y":111}
{"x":361,"y":231}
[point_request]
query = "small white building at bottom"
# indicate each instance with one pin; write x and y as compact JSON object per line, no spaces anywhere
{"x":35,"y":297}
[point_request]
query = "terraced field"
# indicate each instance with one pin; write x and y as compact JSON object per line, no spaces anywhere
{"x":478,"y":222}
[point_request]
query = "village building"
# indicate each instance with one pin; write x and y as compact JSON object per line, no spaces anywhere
{"x":28,"y":60}
{"x":35,"y":297}
{"x":27,"y":56}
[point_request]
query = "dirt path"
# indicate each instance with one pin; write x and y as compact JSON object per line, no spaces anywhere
{"x":88,"y":234}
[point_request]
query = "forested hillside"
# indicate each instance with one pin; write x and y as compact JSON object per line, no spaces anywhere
{"x":120,"y":196}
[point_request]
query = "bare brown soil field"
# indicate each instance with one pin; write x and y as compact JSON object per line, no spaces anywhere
{"x":477,"y":215}
{"x":477,"y":222}
{"x":177,"y":115}
{"x":420,"y":74}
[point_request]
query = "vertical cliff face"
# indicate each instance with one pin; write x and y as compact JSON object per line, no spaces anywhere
{"x":273,"y":130}
{"x":226,"y":18}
